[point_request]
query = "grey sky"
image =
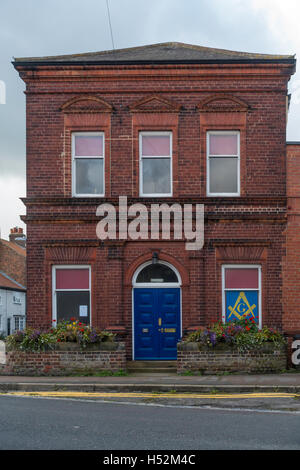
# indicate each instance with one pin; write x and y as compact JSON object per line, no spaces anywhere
{"x":52,"y":27}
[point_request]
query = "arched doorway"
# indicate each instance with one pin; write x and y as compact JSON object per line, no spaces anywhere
{"x":156,"y":311}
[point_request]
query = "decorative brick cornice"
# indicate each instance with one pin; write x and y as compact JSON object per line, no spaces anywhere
{"x":238,"y":252}
{"x":155,"y":104}
{"x":222,"y":102}
{"x":86,"y":104}
{"x":239,"y":242}
{"x":208,"y":201}
{"x":70,"y":254}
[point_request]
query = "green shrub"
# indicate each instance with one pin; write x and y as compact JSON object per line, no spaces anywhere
{"x":31,"y":340}
{"x":243,"y":335}
{"x":72,"y":331}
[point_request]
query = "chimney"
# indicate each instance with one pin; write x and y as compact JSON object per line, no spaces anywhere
{"x":17,"y":236}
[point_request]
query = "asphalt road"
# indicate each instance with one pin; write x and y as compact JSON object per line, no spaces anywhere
{"x":28,"y":423}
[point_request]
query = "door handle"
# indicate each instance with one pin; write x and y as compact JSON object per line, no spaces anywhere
{"x":159,"y":322}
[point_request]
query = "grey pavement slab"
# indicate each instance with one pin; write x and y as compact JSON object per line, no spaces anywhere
{"x":230,"y":383}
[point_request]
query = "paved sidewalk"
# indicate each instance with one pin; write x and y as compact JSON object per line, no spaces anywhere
{"x":156,"y":382}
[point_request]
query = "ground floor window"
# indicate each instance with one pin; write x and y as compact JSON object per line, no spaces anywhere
{"x":71,"y":293}
{"x":19,"y":323}
{"x":241,"y":292}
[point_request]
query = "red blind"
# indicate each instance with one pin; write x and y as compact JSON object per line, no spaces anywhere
{"x":72,"y":278}
{"x":220,"y":144}
{"x":89,"y":146}
{"x":241,"y":278}
{"x":156,"y":145}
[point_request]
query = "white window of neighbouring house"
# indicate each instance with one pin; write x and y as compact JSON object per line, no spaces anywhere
{"x":223,"y":163}
{"x":19,"y":323}
{"x":71,"y":293}
{"x":241,"y":293}
{"x":16,"y":299}
{"x":88,"y":164}
{"x":155,"y":149}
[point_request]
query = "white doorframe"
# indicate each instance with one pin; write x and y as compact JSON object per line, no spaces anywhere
{"x":154,"y":285}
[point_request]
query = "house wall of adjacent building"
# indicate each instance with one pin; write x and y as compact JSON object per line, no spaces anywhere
{"x":291,"y":263}
{"x":13,"y":261}
{"x":12,"y":304}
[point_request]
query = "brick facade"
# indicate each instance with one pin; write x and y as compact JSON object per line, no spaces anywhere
{"x":121,"y":101}
{"x":70,"y":360}
{"x":190,"y":358}
{"x":291,"y":261}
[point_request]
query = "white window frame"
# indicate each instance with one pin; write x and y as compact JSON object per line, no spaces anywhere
{"x":17,"y":300}
{"x":151,"y":285}
{"x":154,"y":285}
{"x":74,"y":157}
{"x":19,"y":318}
{"x":54,"y":290}
{"x":208,"y":156}
{"x":141,"y":158}
{"x":241,"y":266}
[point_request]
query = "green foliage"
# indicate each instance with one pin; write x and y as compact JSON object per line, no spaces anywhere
{"x":188,"y":372}
{"x":74,"y":332}
{"x":31,"y":340}
{"x":243,"y":335}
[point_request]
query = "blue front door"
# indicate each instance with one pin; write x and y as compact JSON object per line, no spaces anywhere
{"x":156,"y":323}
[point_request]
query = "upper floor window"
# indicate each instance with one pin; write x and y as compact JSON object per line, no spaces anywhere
{"x":16,"y":299}
{"x":223,"y":163}
{"x":155,"y":163}
{"x":88,"y":163}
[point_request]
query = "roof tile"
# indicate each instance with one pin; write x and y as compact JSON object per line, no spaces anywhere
{"x":162,"y":52}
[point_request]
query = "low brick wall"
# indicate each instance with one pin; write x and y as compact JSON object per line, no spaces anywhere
{"x":266,"y":360}
{"x":65,"y":359}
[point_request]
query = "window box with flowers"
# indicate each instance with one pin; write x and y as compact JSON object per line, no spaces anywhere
{"x":71,"y":347}
{"x":239,"y":346}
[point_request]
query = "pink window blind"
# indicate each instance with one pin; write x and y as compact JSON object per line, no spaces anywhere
{"x":72,"y":279}
{"x":155,"y":145}
{"x":220,"y":144}
{"x":241,"y":278}
{"x":89,"y":146}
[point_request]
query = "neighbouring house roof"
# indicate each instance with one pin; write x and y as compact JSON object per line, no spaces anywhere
{"x":7,"y":282}
{"x":168,"y":52}
{"x":14,"y":246}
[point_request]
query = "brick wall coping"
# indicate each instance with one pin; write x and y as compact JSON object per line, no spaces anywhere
{"x":70,"y":346}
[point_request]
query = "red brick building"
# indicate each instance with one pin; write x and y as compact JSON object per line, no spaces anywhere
{"x":167,"y":123}
{"x":291,"y":262}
